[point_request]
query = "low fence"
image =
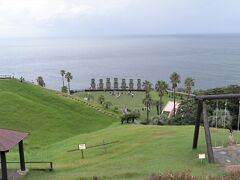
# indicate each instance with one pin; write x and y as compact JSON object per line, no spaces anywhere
{"x":5,"y":77}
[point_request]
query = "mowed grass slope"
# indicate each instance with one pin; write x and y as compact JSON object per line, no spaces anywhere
{"x":141,"y":151}
{"x":58,"y":124}
{"x":47,"y":116}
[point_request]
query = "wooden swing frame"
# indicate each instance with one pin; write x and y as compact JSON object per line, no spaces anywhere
{"x":202,"y":112}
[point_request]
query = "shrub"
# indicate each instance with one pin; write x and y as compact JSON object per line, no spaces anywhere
{"x":101,"y":99}
{"x":40,"y":81}
{"x":64,"y":89}
{"x":107,"y":104}
{"x":159,"y":120}
{"x":186,"y":113}
{"x":131,"y":116}
{"x":115,"y":109}
{"x":220,"y":119}
{"x":186,"y":175}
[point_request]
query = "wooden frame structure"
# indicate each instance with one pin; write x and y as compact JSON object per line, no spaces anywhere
{"x":8,"y":139}
{"x":202,"y":112}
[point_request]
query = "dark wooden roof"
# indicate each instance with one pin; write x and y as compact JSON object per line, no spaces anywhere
{"x":9,"y":138}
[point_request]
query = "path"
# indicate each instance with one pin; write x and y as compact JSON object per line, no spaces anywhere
{"x":12,"y":175}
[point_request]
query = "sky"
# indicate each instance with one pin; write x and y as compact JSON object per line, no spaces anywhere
{"x":67,"y":18}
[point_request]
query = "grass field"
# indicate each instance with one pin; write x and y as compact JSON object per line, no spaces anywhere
{"x":58,"y":124}
{"x":47,"y":116}
{"x":125,"y":100}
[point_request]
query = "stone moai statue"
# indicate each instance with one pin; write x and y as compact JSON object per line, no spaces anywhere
{"x":124,"y":85}
{"x":131,"y":84}
{"x":139,"y":84}
{"x":115,"y":85}
{"x":108,"y":83}
{"x":100,"y":84}
{"x":93,"y":84}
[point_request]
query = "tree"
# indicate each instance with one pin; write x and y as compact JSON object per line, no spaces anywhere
{"x":175,"y":80}
{"x":68,"y":77}
{"x":161,"y":88}
{"x":147,"y":86}
{"x":64,"y":89}
{"x":130,"y":116}
{"x":189,"y":83}
{"x":107,"y":104}
{"x":40,"y":81}
{"x":101,"y":99}
{"x":62,"y":72}
{"x":147,"y":101}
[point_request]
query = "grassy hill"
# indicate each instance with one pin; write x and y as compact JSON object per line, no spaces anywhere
{"x":58,"y":124}
{"x":47,"y":116}
{"x":141,"y":151}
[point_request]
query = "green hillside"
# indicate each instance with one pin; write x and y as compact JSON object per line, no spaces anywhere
{"x":47,"y":116}
{"x":141,"y":151}
{"x":58,"y":124}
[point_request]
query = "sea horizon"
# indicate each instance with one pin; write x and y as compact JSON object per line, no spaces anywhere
{"x":210,"y":59}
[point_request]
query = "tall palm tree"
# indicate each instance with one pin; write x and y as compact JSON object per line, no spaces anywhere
{"x":147,"y":86}
{"x":62,"y":72}
{"x":189,"y":83}
{"x":147,"y":101}
{"x":68,"y":77}
{"x":161,"y":88}
{"x":175,"y":80}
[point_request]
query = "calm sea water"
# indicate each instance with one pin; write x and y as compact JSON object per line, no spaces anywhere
{"x":212,"y":60}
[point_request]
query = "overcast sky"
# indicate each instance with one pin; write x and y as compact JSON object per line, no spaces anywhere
{"x":36,"y":18}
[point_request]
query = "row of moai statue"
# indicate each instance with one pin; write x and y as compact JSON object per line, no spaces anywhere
{"x":116,"y":84}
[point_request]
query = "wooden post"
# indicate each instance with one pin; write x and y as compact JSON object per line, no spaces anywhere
{"x":21,"y":155}
{"x":207,"y":134}
{"x":197,"y":124}
{"x":82,"y":154}
{"x":4,"y":166}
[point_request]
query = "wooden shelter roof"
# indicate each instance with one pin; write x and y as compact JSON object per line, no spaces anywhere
{"x":9,"y":138}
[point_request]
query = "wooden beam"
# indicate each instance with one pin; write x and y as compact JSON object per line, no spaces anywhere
{"x":207,"y":134}
{"x":21,"y":156}
{"x":4,"y":166}
{"x":219,"y":96}
{"x":197,"y":124}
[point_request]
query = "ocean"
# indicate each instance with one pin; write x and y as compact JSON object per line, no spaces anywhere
{"x":211,"y":60}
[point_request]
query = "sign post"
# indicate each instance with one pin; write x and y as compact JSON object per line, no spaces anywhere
{"x":82,"y":147}
{"x":201,"y":157}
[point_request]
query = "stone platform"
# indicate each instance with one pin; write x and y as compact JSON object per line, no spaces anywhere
{"x":227,"y":156}
{"x":12,"y":175}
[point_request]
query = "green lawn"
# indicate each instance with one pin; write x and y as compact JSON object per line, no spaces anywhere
{"x":125,"y":100}
{"x":58,"y":124}
{"x":141,"y":151}
{"x":47,"y":116}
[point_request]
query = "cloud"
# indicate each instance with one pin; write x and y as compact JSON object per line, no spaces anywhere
{"x":29,"y":16}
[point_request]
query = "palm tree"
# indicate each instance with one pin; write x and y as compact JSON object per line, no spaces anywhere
{"x":175,"y":80}
{"x":62,"y":72}
{"x":147,"y":86}
{"x":189,"y":83}
{"x":147,"y":101}
{"x":68,"y":77}
{"x":161,"y":88}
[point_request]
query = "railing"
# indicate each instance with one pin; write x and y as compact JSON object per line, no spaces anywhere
{"x":50,"y":168}
{"x":5,"y":77}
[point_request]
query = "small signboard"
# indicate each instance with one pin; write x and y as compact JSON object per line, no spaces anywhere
{"x":201,"y":156}
{"x":82,"y":146}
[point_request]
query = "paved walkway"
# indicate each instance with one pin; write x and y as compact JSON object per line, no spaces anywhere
{"x":227,"y":156}
{"x":12,"y":175}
